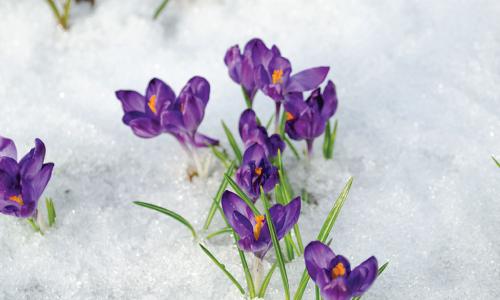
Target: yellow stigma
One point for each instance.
(289, 116)
(339, 270)
(152, 103)
(259, 223)
(258, 171)
(277, 76)
(18, 199)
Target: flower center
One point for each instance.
(17, 198)
(152, 103)
(259, 223)
(258, 171)
(277, 76)
(289, 116)
(339, 270)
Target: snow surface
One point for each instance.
(419, 116)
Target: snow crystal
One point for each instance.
(419, 118)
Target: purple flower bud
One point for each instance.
(333, 275)
(255, 171)
(251, 133)
(22, 183)
(252, 229)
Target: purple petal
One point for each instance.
(254, 153)
(275, 144)
(232, 59)
(200, 140)
(145, 127)
(362, 277)
(247, 123)
(193, 111)
(262, 77)
(330, 100)
(233, 203)
(242, 225)
(280, 63)
(165, 96)
(337, 289)
(285, 217)
(131, 101)
(199, 88)
(9, 170)
(32, 162)
(7, 148)
(317, 257)
(171, 121)
(40, 180)
(307, 80)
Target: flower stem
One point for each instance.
(309, 147)
(277, 118)
(257, 270)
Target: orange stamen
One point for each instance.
(152, 103)
(259, 223)
(17, 198)
(289, 116)
(258, 171)
(277, 76)
(339, 270)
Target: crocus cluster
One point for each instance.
(266, 69)
(252, 229)
(22, 183)
(160, 111)
(333, 275)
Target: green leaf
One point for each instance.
(232, 142)
(34, 225)
(219, 232)
(221, 156)
(51, 211)
(326, 140)
(276, 245)
(218, 196)
(380, 270)
(269, 122)
(242, 194)
(223, 269)
(169, 213)
(292, 147)
(160, 9)
(65, 16)
(496, 161)
(267, 279)
(331, 142)
(316, 289)
(324, 232)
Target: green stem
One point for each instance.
(160, 9)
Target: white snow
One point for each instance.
(419, 116)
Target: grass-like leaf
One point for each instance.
(269, 122)
(232, 142)
(35, 226)
(242, 194)
(219, 232)
(169, 213)
(496, 161)
(223, 269)
(292, 147)
(324, 232)
(160, 8)
(380, 271)
(267, 279)
(221, 155)
(316, 291)
(326, 140)
(276, 245)
(248, 101)
(218, 196)
(51, 211)
(331, 141)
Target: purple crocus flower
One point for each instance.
(143, 113)
(255, 171)
(252, 133)
(22, 183)
(306, 120)
(160, 111)
(276, 81)
(184, 115)
(332, 273)
(242, 66)
(252, 229)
